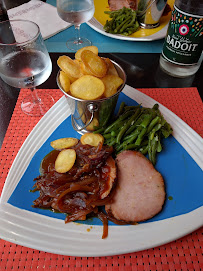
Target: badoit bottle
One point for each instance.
(182, 50)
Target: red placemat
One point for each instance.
(183, 254)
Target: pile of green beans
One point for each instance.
(137, 128)
(123, 21)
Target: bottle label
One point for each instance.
(184, 40)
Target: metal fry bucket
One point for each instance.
(84, 112)
(150, 12)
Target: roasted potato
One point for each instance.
(111, 69)
(65, 160)
(95, 64)
(64, 143)
(92, 48)
(92, 139)
(111, 83)
(64, 81)
(70, 67)
(87, 87)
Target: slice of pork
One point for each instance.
(118, 4)
(140, 191)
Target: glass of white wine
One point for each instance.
(25, 63)
(76, 12)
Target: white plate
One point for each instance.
(99, 20)
(49, 234)
(97, 26)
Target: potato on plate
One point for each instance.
(92, 139)
(87, 87)
(94, 63)
(64, 143)
(65, 160)
(92, 48)
(111, 83)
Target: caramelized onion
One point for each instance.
(79, 191)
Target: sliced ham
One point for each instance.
(119, 4)
(140, 191)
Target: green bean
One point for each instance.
(121, 109)
(146, 120)
(117, 122)
(140, 136)
(127, 125)
(123, 21)
(117, 30)
(166, 130)
(99, 130)
(107, 136)
(144, 149)
(137, 128)
(131, 107)
(155, 129)
(153, 123)
(131, 22)
(131, 138)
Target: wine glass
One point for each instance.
(76, 12)
(25, 63)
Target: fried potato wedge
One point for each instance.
(69, 66)
(65, 160)
(85, 70)
(93, 123)
(64, 143)
(94, 63)
(111, 69)
(87, 87)
(112, 83)
(92, 48)
(64, 81)
(92, 139)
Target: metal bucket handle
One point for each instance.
(91, 108)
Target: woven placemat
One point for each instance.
(183, 254)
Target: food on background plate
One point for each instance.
(122, 21)
(140, 192)
(119, 4)
(83, 76)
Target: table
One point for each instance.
(141, 63)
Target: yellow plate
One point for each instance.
(99, 20)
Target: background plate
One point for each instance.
(22, 225)
(99, 20)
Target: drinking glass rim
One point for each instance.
(28, 40)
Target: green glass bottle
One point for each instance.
(182, 50)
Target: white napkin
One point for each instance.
(41, 13)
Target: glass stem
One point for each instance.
(37, 100)
(77, 28)
(35, 97)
